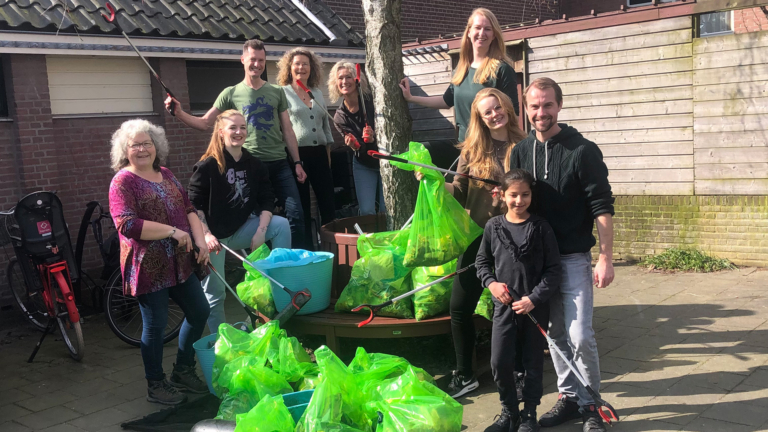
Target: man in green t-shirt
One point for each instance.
(264, 106)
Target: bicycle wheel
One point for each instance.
(28, 298)
(124, 316)
(71, 332)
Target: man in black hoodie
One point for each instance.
(571, 192)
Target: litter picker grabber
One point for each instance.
(111, 19)
(298, 298)
(601, 404)
(252, 313)
(376, 308)
(366, 137)
(379, 155)
(311, 96)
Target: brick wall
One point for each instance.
(749, 20)
(733, 227)
(428, 19)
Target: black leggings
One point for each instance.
(320, 176)
(467, 289)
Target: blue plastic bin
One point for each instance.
(297, 402)
(298, 269)
(206, 355)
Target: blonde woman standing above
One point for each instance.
(483, 63)
(312, 128)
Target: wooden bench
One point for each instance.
(335, 325)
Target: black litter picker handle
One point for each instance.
(606, 410)
(379, 155)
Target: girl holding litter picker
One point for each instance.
(519, 261)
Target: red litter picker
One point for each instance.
(379, 155)
(111, 19)
(601, 405)
(366, 136)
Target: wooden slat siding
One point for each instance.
(427, 68)
(612, 58)
(732, 107)
(610, 45)
(731, 42)
(619, 71)
(732, 187)
(651, 175)
(673, 79)
(629, 123)
(433, 78)
(628, 97)
(715, 60)
(433, 124)
(732, 171)
(90, 85)
(428, 113)
(612, 32)
(757, 122)
(735, 74)
(731, 139)
(730, 155)
(442, 134)
(642, 136)
(681, 188)
(626, 110)
(741, 90)
(429, 90)
(430, 78)
(647, 149)
(649, 162)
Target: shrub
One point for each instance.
(686, 260)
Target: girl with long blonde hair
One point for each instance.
(491, 135)
(483, 63)
(234, 199)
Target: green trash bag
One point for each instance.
(244, 382)
(484, 306)
(379, 275)
(436, 299)
(293, 361)
(337, 400)
(309, 382)
(411, 404)
(232, 343)
(256, 290)
(441, 229)
(269, 415)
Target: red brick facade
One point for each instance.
(750, 20)
(429, 19)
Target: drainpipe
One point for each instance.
(314, 19)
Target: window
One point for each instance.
(633, 3)
(98, 85)
(716, 23)
(206, 79)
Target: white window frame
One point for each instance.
(731, 31)
(648, 3)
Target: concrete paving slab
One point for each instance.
(48, 417)
(101, 419)
(743, 414)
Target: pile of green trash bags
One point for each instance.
(377, 392)
(248, 367)
(484, 306)
(256, 290)
(392, 263)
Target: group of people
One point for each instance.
(534, 256)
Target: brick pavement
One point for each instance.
(679, 352)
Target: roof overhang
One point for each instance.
(116, 46)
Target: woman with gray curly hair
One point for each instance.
(313, 130)
(156, 224)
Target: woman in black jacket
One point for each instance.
(233, 196)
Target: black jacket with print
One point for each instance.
(530, 268)
(228, 199)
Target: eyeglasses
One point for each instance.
(138, 146)
(494, 111)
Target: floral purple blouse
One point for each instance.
(149, 265)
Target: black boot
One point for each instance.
(592, 420)
(563, 411)
(507, 421)
(528, 421)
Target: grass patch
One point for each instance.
(686, 260)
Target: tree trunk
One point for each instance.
(384, 67)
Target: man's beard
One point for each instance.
(547, 127)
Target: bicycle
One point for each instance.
(120, 310)
(41, 272)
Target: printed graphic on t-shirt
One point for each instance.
(260, 114)
(239, 192)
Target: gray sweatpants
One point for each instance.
(570, 325)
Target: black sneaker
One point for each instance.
(163, 393)
(501, 422)
(528, 422)
(185, 379)
(519, 384)
(563, 411)
(460, 385)
(592, 420)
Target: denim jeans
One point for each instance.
(570, 325)
(278, 231)
(154, 314)
(284, 184)
(368, 188)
